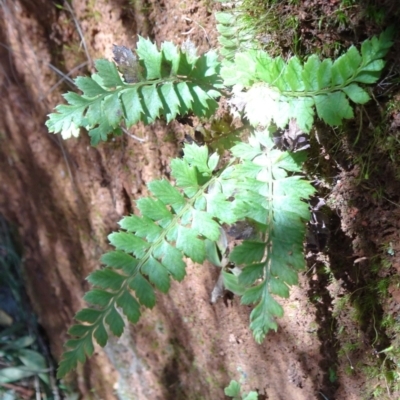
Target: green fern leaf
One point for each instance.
(129, 306)
(234, 34)
(128, 242)
(185, 176)
(190, 244)
(171, 258)
(100, 334)
(170, 101)
(263, 186)
(293, 75)
(345, 66)
(170, 227)
(69, 362)
(291, 90)
(356, 94)
(205, 225)
(309, 77)
(143, 290)
(98, 297)
(78, 330)
(375, 48)
(248, 252)
(151, 58)
(233, 390)
(333, 115)
(108, 74)
(115, 321)
(225, 18)
(154, 209)
(277, 259)
(88, 315)
(133, 109)
(302, 110)
(157, 273)
(253, 294)
(251, 273)
(198, 157)
(89, 87)
(143, 227)
(112, 109)
(152, 102)
(263, 317)
(120, 260)
(171, 82)
(232, 283)
(66, 120)
(240, 72)
(168, 194)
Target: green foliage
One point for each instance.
(24, 361)
(272, 90)
(258, 183)
(168, 82)
(233, 390)
(234, 35)
(150, 249)
(272, 196)
(24, 358)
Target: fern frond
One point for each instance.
(170, 82)
(279, 90)
(234, 35)
(273, 197)
(149, 250)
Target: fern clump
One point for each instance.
(256, 182)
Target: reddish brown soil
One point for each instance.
(65, 197)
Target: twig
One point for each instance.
(141, 140)
(188, 32)
(205, 33)
(60, 143)
(54, 387)
(64, 77)
(59, 72)
(359, 129)
(37, 388)
(351, 365)
(24, 392)
(78, 28)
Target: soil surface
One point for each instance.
(65, 197)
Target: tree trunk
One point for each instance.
(66, 197)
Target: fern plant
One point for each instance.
(258, 183)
